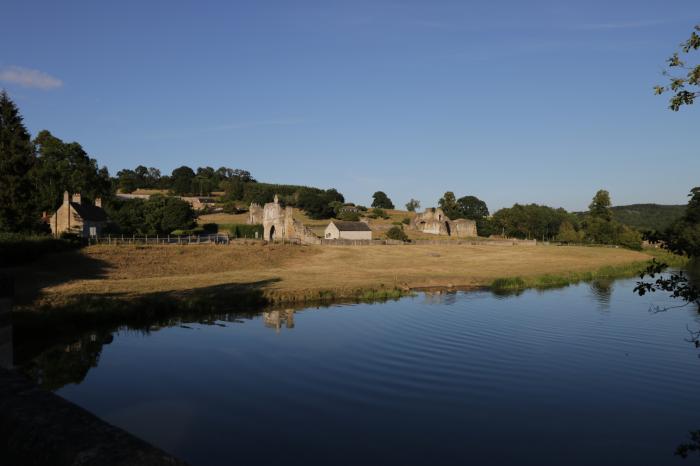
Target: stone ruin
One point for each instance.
(434, 221)
(255, 214)
(279, 223)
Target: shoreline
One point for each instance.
(84, 311)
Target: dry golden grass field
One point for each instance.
(289, 272)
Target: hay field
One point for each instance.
(294, 273)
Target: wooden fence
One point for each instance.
(157, 239)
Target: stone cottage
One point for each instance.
(435, 222)
(75, 217)
(348, 230)
(279, 224)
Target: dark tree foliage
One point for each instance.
(469, 207)
(531, 221)
(648, 217)
(181, 180)
(683, 237)
(18, 209)
(684, 86)
(63, 166)
(382, 201)
(397, 233)
(158, 215)
(448, 204)
(319, 205)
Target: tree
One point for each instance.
(382, 201)
(684, 87)
(397, 233)
(65, 166)
(569, 234)
(181, 180)
(472, 208)
(448, 204)
(683, 237)
(18, 212)
(127, 181)
(413, 205)
(600, 206)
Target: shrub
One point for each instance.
(397, 233)
(406, 221)
(377, 212)
(246, 231)
(349, 216)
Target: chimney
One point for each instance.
(66, 198)
(98, 202)
(76, 198)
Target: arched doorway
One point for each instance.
(272, 233)
(447, 227)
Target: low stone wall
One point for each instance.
(39, 428)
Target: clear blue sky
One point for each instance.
(511, 101)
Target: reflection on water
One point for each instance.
(442, 378)
(601, 291)
(275, 319)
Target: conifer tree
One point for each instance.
(17, 210)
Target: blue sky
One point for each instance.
(511, 101)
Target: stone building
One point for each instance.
(255, 214)
(435, 222)
(348, 230)
(279, 224)
(75, 217)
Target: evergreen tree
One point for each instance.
(382, 201)
(17, 210)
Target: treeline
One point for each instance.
(533, 221)
(648, 217)
(182, 181)
(683, 235)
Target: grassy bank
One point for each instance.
(131, 282)
(513, 283)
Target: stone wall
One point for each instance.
(279, 224)
(434, 221)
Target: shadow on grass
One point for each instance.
(32, 278)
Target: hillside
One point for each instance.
(648, 216)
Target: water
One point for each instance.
(581, 375)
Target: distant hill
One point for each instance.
(648, 216)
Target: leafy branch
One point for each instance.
(683, 87)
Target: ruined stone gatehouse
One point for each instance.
(74, 216)
(279, 223)
(434, 221)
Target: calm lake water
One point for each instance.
(581, 375)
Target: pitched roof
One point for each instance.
(351, 226)
(90, 212)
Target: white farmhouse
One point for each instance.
(348, 230)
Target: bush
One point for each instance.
(406, 221)
(377, 212)
(245, 231)
(349, 216)
(210, 228)
(397, 233)
(16, 249)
